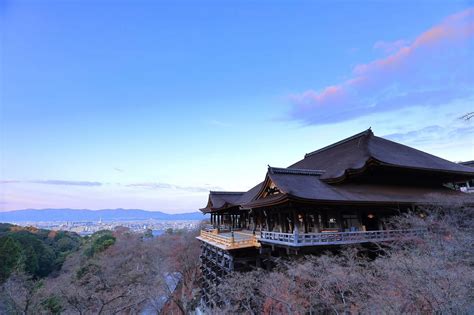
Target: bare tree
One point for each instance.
(181, 260)
(113, 281)
(21, 294)
(432, 273)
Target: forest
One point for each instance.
(119, 272)
(110, 272)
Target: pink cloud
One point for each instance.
(459, 26)
(310, 99)
(409, 64)
(390, 47)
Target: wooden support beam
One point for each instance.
(267, 222)
(305, 221)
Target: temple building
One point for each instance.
(467, 186)
(337, 195)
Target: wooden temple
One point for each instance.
(340, 194)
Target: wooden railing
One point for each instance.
(208, 227)
(337, 238)
(228, 241)
(222, 227)
(235, 240)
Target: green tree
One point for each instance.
(148, 233)
(52, 305)
(100, 242)
(39, 258)
(10, 256)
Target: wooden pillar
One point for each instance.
(295, 223)
(317, 224)
(254, 219)
(339, 220)
(305, 219)
(267, 222)
(360, 218)
(280, 222)
(259, 220)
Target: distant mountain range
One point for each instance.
(37, 215)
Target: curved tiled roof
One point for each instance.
(312, 188)
(356, 152)
(313, 177)
(222, 199)
(250, 194)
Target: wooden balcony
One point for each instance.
(229, 240)
(336, 238)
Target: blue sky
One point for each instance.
(149, 104)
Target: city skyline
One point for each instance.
(151, 105)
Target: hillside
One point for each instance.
(35, 251)
(35, 215)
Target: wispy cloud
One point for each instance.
(434, 134)
(53, 182)
(118, 170)
(144, 185)
(390, 47)
(433, 69)
(158, 185)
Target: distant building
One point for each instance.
(334, 196)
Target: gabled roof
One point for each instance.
(360, 150)
(222, 199)
(309, 187)
(250, 194)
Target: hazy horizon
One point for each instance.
(101, 209)
(149, 105)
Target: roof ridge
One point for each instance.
(227, 192)
(294, 171)
(360, 134)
